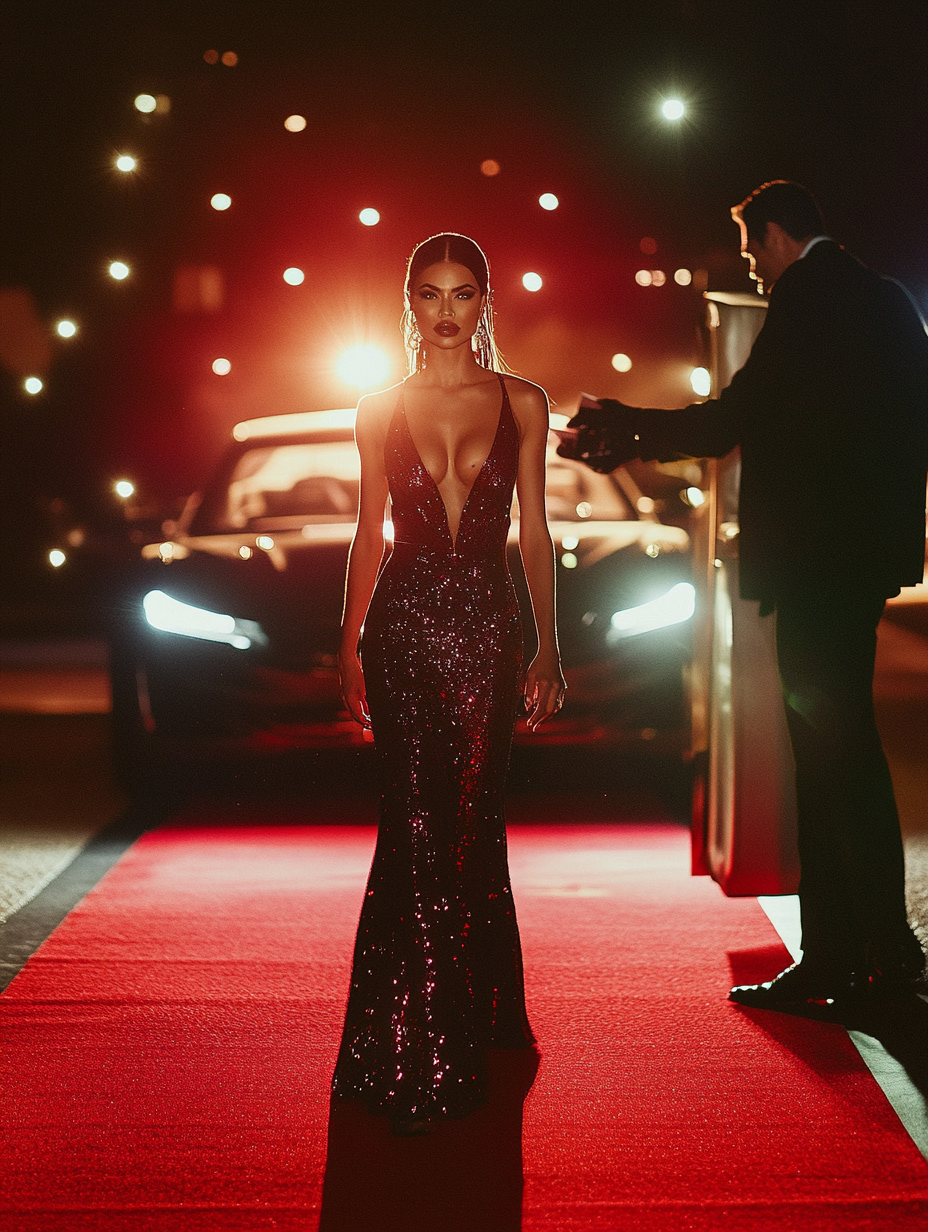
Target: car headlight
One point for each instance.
(672, 608)
(171, 616)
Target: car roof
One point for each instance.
(302, 423)
(296, 424)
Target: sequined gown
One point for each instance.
(437, 976)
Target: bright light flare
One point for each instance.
(548, 201)
(146, 103)
(683, 277)
(66, 329)
(56, 558)
(33, 385)
(295, 123)
(695, 497)
(124, 488)
(220, 201)
(369, 216)
(363, 366)
(621, 362)
(293, 276)
(222, 367)
(701, 382)
(125, 162)
(171, 616)
(643, 278)
(672, 109)
(118, 270)
(532, 282)
(673, 608)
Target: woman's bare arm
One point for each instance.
(366, 551)
(544, 683)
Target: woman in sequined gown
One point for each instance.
(437, 975)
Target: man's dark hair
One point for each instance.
(784, 202)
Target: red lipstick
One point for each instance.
(447, 329)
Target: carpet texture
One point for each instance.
(168, 1053)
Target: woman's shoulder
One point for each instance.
(528, 400)
(376, 406)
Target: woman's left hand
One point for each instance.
(544, 689)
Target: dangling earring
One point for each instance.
(415, 338)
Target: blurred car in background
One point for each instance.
(228, 626)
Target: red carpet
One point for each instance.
(168, 1052)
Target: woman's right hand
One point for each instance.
(354, 695)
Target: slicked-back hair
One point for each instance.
(788, 204)
(459, 249)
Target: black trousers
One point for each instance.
(852, 881)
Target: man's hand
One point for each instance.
(601, 434)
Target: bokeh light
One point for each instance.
(229, 59)
(293, 276)
(658, 278)
(532, 282)
(33, 385)
(295, 123)
(363, 366)
(124, 488)
(146, 103)
(569, 561)
(125, 162)
(370, 217)
(56, 558)
(118, 270)
(490, 167)
(643, 278)
(621, 362)
(584, 509)
(221, 367)
(265, 542)
(682, 277)
(66, 329)
(694, 496)
(211, 56)
(701, 382)
(220, 201)
(548, 201)
(245, 552)
(672, 109)
(648, 245)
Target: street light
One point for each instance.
(124, 488)
(370, 217)
(125, 162)
(672, 109)
(119, 270)
(33, 385)
(66, 329)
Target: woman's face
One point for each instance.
(446, 303)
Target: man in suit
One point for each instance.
(831, 414)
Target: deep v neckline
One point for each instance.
(499, 424)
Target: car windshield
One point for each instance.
(288, 486)
(284, 487)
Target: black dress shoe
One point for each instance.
(803, 987)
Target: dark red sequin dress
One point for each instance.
(437, 976)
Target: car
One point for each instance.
(227, 627)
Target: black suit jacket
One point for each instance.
(831, 413)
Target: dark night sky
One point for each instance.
(403, 104)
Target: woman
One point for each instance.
(437, 977)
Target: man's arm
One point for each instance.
(610, 433)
